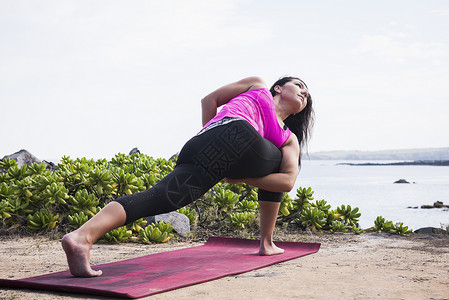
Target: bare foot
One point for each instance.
(270, 249)
(77, 251)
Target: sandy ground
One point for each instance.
(348, 266)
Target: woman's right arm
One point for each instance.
(223, 95)
(285, 179)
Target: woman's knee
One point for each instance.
(264, 195)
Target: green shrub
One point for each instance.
(33, 198)
(42, 220)
(240, 220)
(382, 225)
(118, 235)
(313, 217)
(77, 219)
(157, 232)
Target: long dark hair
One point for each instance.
(300, 124)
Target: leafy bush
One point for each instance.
(347, 214)
(36, 200)
(157, 232)
(382, 225)
(317, 215)
(240, 220)
(78, 219)
(337, 226)
(42, 220)
(312, 217)
(118, 235)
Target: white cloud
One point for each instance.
(440, 12)
(401, 52)
(402, 43)
(108, 35)
(96, 43)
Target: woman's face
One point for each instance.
(296, 93)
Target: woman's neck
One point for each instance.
(281, 112)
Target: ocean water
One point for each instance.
(371, 189)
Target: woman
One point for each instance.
(250, 140)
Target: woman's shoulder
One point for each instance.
(291, 140)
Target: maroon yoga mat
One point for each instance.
(155, 273)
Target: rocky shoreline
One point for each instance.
(437, 204)
(403, 163)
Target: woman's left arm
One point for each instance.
(285, 179)
(223, 95)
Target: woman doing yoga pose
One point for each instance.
(250, 140)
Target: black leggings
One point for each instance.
(234, 150)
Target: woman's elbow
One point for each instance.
(288, 185)
(205, 102)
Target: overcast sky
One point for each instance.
(94, 78)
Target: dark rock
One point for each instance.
(50, 166)
(134, 151)
(438, 204)
(412, 207)
(401, 181)
(427, 206)
(431, 230)
(23, 157)
(180, 222)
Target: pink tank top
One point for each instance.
(256, 107)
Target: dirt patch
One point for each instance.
(367, 266)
